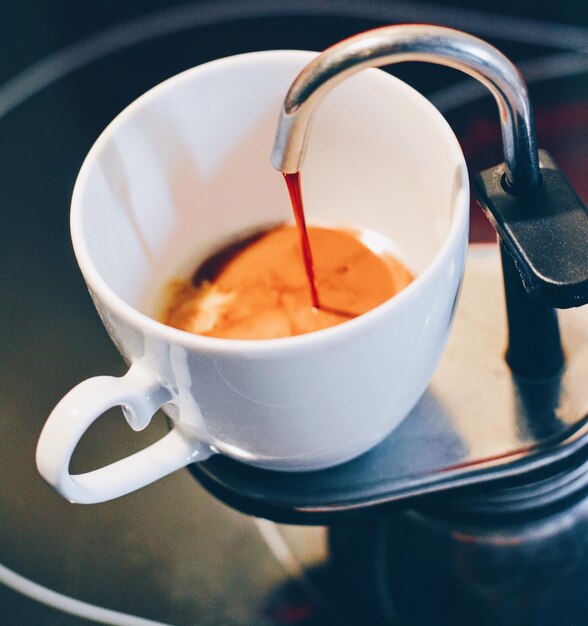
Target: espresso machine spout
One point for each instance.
(395, 44)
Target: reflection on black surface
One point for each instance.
(538, 402)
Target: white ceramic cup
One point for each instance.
(185, 168)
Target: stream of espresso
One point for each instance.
(295, 192)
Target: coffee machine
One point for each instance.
(474, 510)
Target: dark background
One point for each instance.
(171, 552)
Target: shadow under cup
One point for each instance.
(186, 168)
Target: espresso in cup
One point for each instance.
(287, 281)
(258, 287)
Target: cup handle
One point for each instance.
(139, 394)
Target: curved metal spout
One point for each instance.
(434, 44)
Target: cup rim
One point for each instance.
(296, 343)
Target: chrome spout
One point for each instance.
(394, 44)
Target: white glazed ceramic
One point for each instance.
(185, 168)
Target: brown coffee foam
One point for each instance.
(261, 291)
